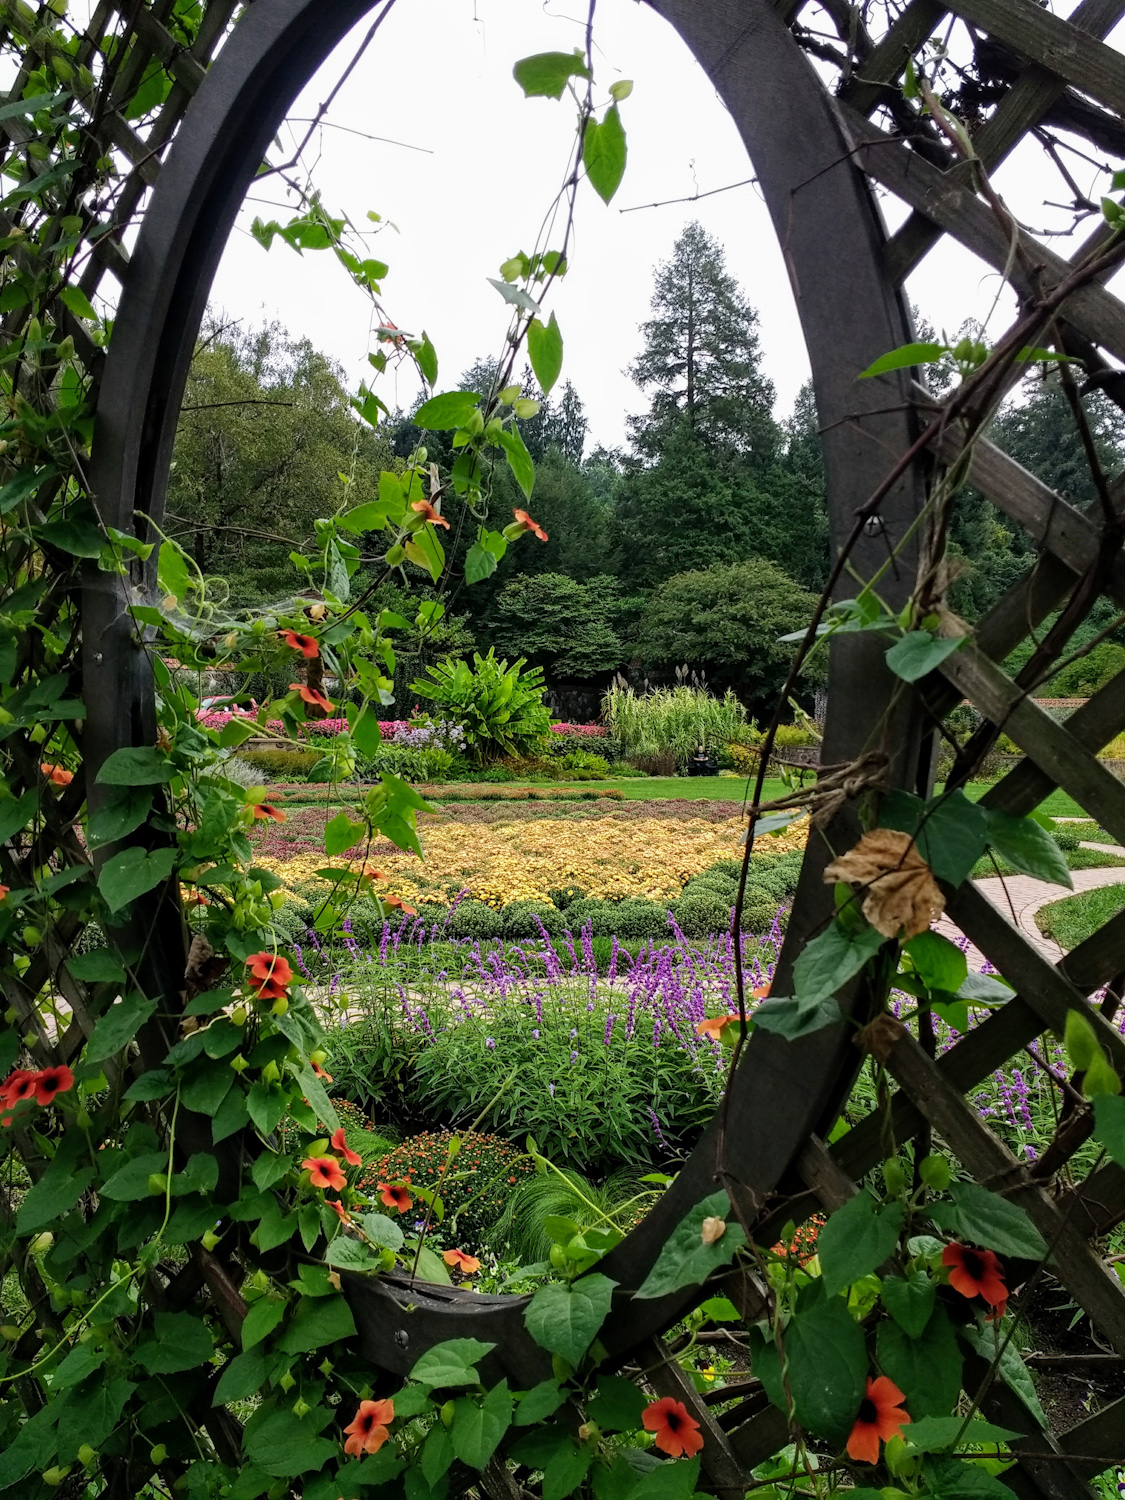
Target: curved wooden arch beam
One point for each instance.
(832, 238)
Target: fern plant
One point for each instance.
(500, 707)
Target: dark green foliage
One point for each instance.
(704, 915)
(630, 920)
(473, 919)
(519, 920)
(567, 1195)
(264, 433)
(726, 620)
(500, 707)
(477, 1185)
(567, 628)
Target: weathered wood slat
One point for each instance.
(948, 200)
(913, 26)
(668, 1378)
(1021, 108)
(1092, 1284)
(1099, 1437)
(1040, 1473)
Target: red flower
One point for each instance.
(305, 644)
(265, 810)
(399, 902)
(339, 1144)
(762, 992)
(194, 898)
(369, 872)
(321, 1072)
(976, 1273)
(677, 1431)
(57, 775)
(368, 1431)
(528, 524)
(18, 1086)
(880, 1416)
(4, 889)
(466, 1263)
(311, 695)
(388, 334)
(270, 974)
(339, 1210)
(324, 1172)
(52, 1081)
(424, 508)
(714, 1026)
(395, 1195)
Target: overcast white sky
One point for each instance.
(476, 171)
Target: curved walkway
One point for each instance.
(1019, 897)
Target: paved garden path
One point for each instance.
(1019, 897)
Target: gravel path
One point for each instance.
(1019, 897)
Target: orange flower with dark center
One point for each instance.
(880, 1416)
(395, 1195)
(368, 1431)
(270, 974)
(339, 1210)
(339, 1143)
(305, 644)
(57, 775)
(424, 508)
(465, 1263)
(324, 1172)
(976, 1273)
(528, 524)
(4, 889)
(265, 810)
(400, 903)
(714, 1026)
(52, 1081)
(18, 1086)
(321, 1072)
(677, 1431)
(311, 695)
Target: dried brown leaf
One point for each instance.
(902, 896)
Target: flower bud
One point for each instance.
(894, 1175)
(320, 1057)
(510, 393)
(271, 1072)
(239, 1063)
(209, 1240)
(934, 1172)
(712, 1230)
(55, 1476)
(448, 1412)
(280, 1006)
(301, 1407)
(238, 1015)
(395, 555)
(475, 423)
(158, 1454)
(83, 1119)
(326, 1367)
(287, 1382)
(42, 1243)
(158, 1183)
(11, 1015)
(589, 1432)
(86, 1455)
(560, 1369)
(525, 408)
(9, 1331)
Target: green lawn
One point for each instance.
(1075, 918)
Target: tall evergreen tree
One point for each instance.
(701, 358)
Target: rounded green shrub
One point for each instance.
(758, 911)
(1065, 838)
(602, 914)
(702, 916)
(565, 895)
(638, 919)
(281, 765)
(473, 919)
(708, 884)
(519, 920)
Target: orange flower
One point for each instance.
(339, 1144)
(311, 695)
(194, 898)
(762, 992)
(677, 1431)
(305, 644)
(466, 1263)
(880, 1416)
(424, 508)
(270, 974)
(369, 872)
(527, 524)
(265, 810)
(52, 1081)
(18, 1086)
(324, 1172)
(321, 1072)
(714, 1026)
(399, 902)
(339, 1210)
(368, 1431)
(395, 1195)
(4, 889)
(977, 1273)
(57, 775)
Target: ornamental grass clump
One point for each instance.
(674, 721)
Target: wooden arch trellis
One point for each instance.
(816, 147)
